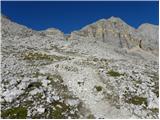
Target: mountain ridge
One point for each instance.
(2, 15)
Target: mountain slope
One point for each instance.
(104, 70)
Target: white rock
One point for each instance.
(41, 110)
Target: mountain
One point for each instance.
(107, 69)
(117, 33)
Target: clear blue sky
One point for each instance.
(69, 16)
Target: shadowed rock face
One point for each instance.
(105, 70)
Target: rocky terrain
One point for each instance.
(107, 69)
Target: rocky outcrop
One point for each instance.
(117, 33)
(52, 32)
(150, 35)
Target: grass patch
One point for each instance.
(155, 110)
(41, 56)
(15, 113)
(114, 73)
(57, 113)
(90, 116)
(136, 100)
(35, 85)
(98, 88)
(58, 110)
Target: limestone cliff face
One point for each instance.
(117, 33)
(150, 34)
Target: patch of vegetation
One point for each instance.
(90, 116)
(58, 110)
(54, 78)
(35, 85)
(136, 100)
(95, 59)
(15, 113)
(41, 56)
(98, 88)
(155, 78)
(137, 82)
(155, 110)
(80, 83)
(156, 90)
(114, 73)
(39, 95)
(5, 82)
(57, 113)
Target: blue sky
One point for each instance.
(69, 16)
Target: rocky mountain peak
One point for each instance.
(114, 31)
(115, 19)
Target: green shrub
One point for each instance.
(35, 85)
(98, 88)
(114, 73)
(136, 100)
(15, 113)
(41, 56)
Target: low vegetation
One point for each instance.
(58, 109)
(155, 110)
(12, 113)
(41, 56)
(136, 100)
(35, 85)
(114, 73)
(98, 88)
(54, 78)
